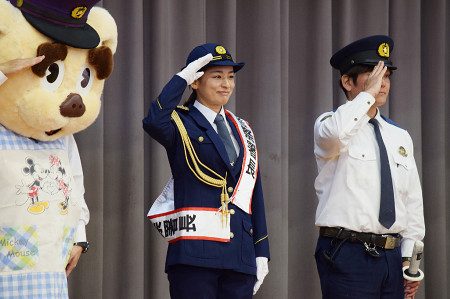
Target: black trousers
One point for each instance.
(355, 274)
(190, 282)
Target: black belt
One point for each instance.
(382, 241)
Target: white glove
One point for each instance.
(190, 73)
(262, 268)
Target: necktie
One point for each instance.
(226, 138)
(387, 203)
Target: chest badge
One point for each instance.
(402, 151)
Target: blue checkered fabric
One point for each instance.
(42, 285)
(69, 233)
(12, 141)
(8, 259)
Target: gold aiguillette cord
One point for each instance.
(219, 182)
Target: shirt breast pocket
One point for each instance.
(362, 166)
(401, 172)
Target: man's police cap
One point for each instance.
(61, 20)
(367, 51)
(221, 56)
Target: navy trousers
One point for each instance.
(190, 282)
(355, 274)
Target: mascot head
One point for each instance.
(60, 95)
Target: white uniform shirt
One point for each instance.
(348, 182)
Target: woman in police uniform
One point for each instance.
(220, 249)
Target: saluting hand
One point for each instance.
(191, 72)
(16, 65)
(375, 79)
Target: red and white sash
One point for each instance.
(207, 223)
(242, 196)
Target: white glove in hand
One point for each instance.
(190, 73)
(262, 268)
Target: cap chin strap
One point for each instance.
(222, 57)
(365, 57)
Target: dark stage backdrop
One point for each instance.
(286, 83)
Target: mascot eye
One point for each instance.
(85, 81)
(53, 76)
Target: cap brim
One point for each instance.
(78, 37)
(236, 66)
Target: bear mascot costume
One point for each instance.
(70, 44)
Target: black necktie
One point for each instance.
(387, 203)
(226, 138)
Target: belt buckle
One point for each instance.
(390, 242)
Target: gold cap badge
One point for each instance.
(78, 12)
(383, 50)
(402, 151)
(221, 50)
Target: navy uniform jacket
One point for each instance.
(250, 232)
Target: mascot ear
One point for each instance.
(100, 19)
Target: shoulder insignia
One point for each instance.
(325, 117)
(183, 108)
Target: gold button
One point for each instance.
(352, 61)
(231, 235)
(230, 189)
(201, 139)
(232, 211)
(251, 231)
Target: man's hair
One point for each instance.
(353, 74)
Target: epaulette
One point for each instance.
(183, 108)
(326, 116)
(390, 121)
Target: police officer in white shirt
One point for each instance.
(370, 209)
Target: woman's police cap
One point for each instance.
(221, 56)
(368, 51)
(61, 20)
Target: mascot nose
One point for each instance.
(73, 106)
